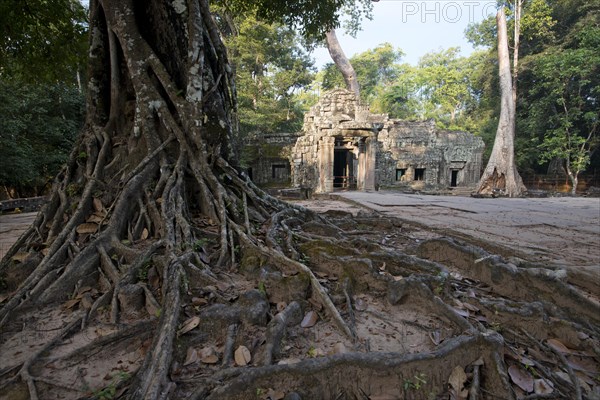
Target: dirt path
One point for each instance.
(561, 230)
(11, 227)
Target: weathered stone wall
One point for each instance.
(267, 158)
(413, 145)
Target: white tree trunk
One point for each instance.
(501, 175)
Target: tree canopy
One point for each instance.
(42, 41)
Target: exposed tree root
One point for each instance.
(353, 375)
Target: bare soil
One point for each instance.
(430, 317)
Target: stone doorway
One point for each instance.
(343, 169)
(454, 178)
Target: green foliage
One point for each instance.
(311, 18)
(376, 69)
(143, 271)
(417, 383)
(42, 41)
(482, 34)
(108, 392)
(444, 86)
(262, 288)
(199, 244)
(561, 90)
(271, 68)
(38, 127)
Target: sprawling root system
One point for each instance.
(157, 271)
(309, 306)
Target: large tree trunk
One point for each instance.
(500, 175)
(341, 61)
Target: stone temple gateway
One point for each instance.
(339, 146)
(344, 146)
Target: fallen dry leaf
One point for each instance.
(94, 218)
(212, 359)
(479, 362)
(360, 305)
(582, 336)
(457, 379)
(144, 234)
(542, 386)
(199, 301)
(526, 361)
(87, 228)
(274, 395)
(20, 257)
(98, 207)
(339, 348)
(521, 378)
(461, 312)
(242, 356)
(191, 356)
(310, 319)
(281, 306)
(558, 346)
(470, 307)
(289, 361)
(208, 355)
(188, 325)
(71, 303)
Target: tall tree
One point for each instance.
(375, 70)
(42, 58)
(354, 11)
(501, 171)
(271, 67)
(38, 128)
(341, 61)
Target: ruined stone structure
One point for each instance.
(339, 145)
(267, 158)
(418, 154)
(344, 146)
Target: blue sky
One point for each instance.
(416, 27)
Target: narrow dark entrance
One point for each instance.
(454, 178)
(342, 169)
